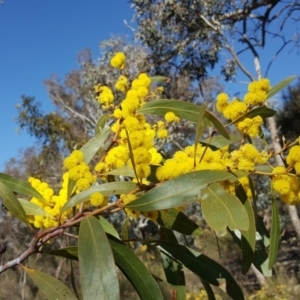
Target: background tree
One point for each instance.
(192, 36)
(288, 118)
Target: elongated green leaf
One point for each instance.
(280, 86)
(135, 271)
(262, 230)
(263, 168)
(174, 275)
(73, 281)
(71, 186)
(125, 231)
(200, 126)
(208, 289)
(124, 171)
(178, 221)
(181, 190)
(160, 79)
(101, 123)
(220, 127)
(131, 155)
(32, 208)
(94, 145)
(221, 209)
(50, 286)
(20, 186)
(204, 267)
(97, 269)
(68, 252)
(261, 259)
(11, 202)
(218, 141)
(181, 109)
(275, 234)
(108, 227)
(262, 111)
(248, 239)
(107, 189)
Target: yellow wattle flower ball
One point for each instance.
(97, 199)
(171, 117)
(222, 102)
(118, 61)
(162, 133)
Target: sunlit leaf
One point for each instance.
(50, 286)
(101, 123)
(219, 126)
(178, 221)
(200, 126)
(11, 202)
(33, 209)
(95, 144)
(135, 271)
(131, 155)
(160, 79)
(71, 188)
(280, 86)
(181, 109)
(221, 209)
(97, 269)
(275, 234)
(218, 141)
(107, 189)
(20, 186)
(123, 171)
(181, 190)
(108, 227)
(262, 111)
(204, 267)
(263, 168)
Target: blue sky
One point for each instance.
(41, 38)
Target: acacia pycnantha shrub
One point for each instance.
(131, 175)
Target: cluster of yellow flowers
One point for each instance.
(79, 171)
(130, 125)
(257, 95)
(105, 97)
(134, 146)
(286, 184)
(52, 204)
